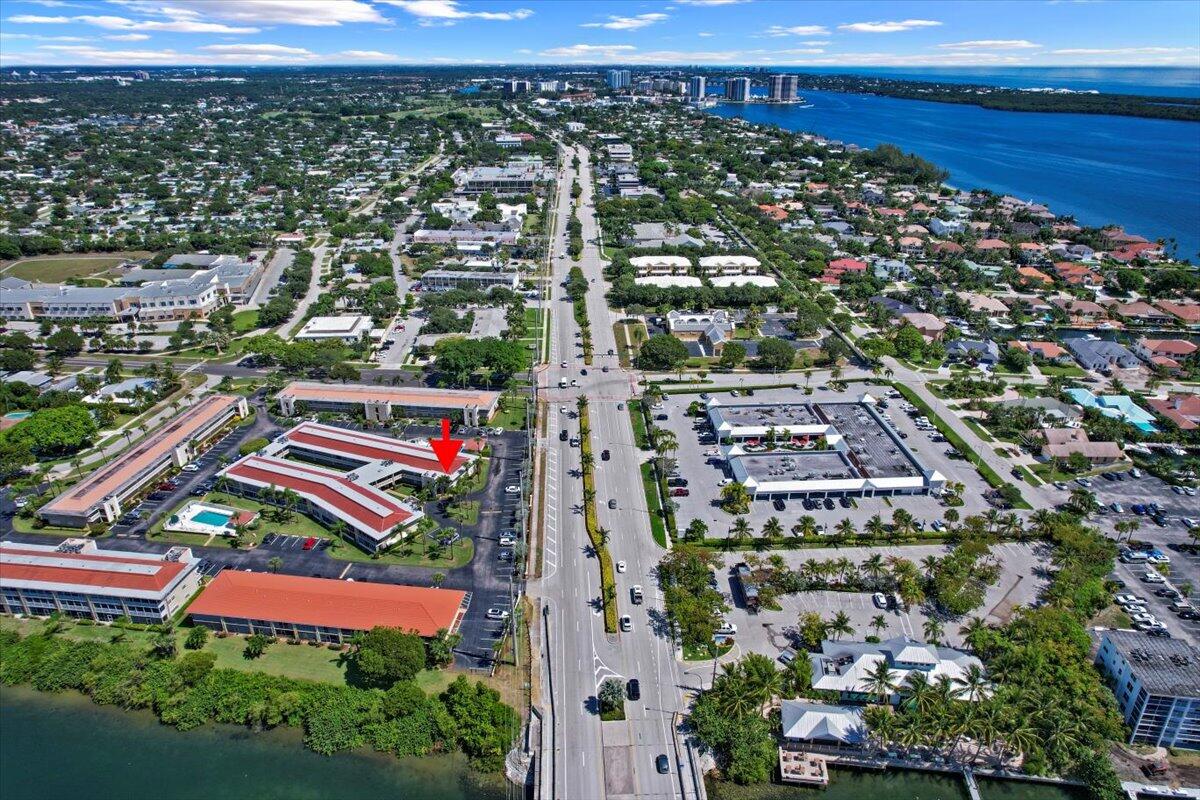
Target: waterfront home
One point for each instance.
(984, 304)
(808, 721)
(1139, 311)
(1100, 355)
(1165, 353)
(1182, 409)
(1047, 351)
(1116, 406)
(1082, 312)
(842, 667)
(1187, 313)
(982, 351)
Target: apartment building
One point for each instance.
(78, 579)
(1157, 686)
(380, 403)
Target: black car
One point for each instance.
(562, 435)
(1188, 613)
(662, 764)
(845, 502)
(829, 504)
(1162, 633)
(634, 688)
(605, 455)
(779, 504)
(677, 482)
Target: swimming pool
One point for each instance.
(215, 518)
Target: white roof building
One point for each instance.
(661, 265)
(726, 281)
(347, 329)
(729, 265)
(844, 667)
(821, 722)
(669, 281)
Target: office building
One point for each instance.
(784, 88)
(78, 579)
(618, 79)
(1157, 685)
(323, 609)
(443, 280)
(696, 87)
(737, 90)
(102, 493)
(513, 88)
(380, 403)
(348, 330)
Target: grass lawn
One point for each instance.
(693, 653)
(1064, 371)
(1048, 474)
(980, 431)
(1111, 617)
(59, 268)
(653, 502)
(408, 553)
(640, 436)
(465, 512)
(245, 321)
(22, 525)
(613, 714)
(512, 415)
(477, 481)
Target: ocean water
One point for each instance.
(1143, 174)
(1162, 81)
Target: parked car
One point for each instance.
(612, 502)
(626, 623)
(507, 541)
(879, 599)
(727, 629)
(512, 489)
(680, 492)
(779, 505)
(309, 543)
(497, 614)
(1153, 577)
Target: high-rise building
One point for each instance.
(512, 88)
(619, 78)
(737, 89)
(696, 87)
(784, 88)
(1157, 684)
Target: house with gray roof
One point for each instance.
(1098, 355)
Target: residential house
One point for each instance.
(981, 351)
(661, 265)
(1166, 353)
(1187, 313)
(1101, 355)
(1140, 311)
(1116, 406)
(929, 325)
(1046, 351)
(984, 304)
(1062, 443)
(1082, 312)
(1033, 275)
(1182, 409)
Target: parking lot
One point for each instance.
(704, 478)
(1133, 576)
(1023, 576)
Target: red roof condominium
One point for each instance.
(378, 402)
(79, 579)
(377, 460)
(101, 493)
(375, 518)
(322, 608)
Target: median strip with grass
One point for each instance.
(654, 503)
(960, 444)
(608, 581)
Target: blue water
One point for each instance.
(1162, 81)
(1143, 174)
(214, 518)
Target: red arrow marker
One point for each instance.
(445, 447)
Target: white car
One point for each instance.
(1143, 617)
(507, 541)
(727, 629)
(1135, 608)
(563, 365)
(724, 481)
(620, 566)
(1159, 559)
(562, 409)
(190, 468)
(497, 614)
(879, 600)
(1126, 599)
(626, 623)
(1153, 577)
(514, 489)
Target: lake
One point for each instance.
(63, 745)
(1143, 174)
(59, 746)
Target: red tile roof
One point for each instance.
(86, 569)
(368, 446)
(376, 510)
(329, 603)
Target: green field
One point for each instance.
(245, 321)
(58, 269)
(511, 415)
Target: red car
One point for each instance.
(680, 492)
(310, 543)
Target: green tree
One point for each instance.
(256, 645)
(196, 638)
(386, 655)
(662, 352)
(774, 355)
(732, 355)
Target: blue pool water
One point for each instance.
(214, 518)
(17, 414)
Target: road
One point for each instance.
(283, 259)
(314, 290)
(590, 759)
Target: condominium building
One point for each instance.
(378, 404)
(1157, 685)
(517, 178)
(323, 609)
(784, 88)
(78, 579)
(696, 87)
(619, 79)
(374, 519)
(737, 90)
(102, 493)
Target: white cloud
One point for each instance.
(589, 51)
(128, 37)
(448, 12)
(705, 34)
(991, 44)
(1121, 51)
(251, 49)
(308, 13)
(39, 38)
(797, 30)
(888, 27)
(616, 23)
(184, 23)
(366, 55)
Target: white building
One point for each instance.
(1157, 685)
(730, 265)
(349, 330)
(844, 667)
(661, 265)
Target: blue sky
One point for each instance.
(750, 32)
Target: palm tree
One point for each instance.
(840, 625)
(603, 536)
(875, 527)
(878, 623)
(933, 630)
(918, 692)
(275, 563)
(845, 528)
(873, 569)
(879, 681)
(758, 672)
(740, 530)
(902, 522)
(972, 683)
(772, 529)
(735, 699)
(807, 526)
(972, 632)
(881, 722)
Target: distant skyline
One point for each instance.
(674, 32)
